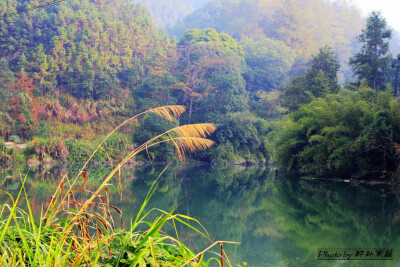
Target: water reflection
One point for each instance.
(279, 220)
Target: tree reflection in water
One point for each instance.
(280, 220)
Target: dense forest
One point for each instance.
(291, 82)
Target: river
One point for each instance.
(279, 220)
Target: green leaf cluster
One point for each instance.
(352, 134)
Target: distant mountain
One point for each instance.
(303, 25)
(166, 13)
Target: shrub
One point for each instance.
(2, 145)
(15, 139)
(150, 127)
(80, 150)
(239, 140)
(49, 147)
(4, 156)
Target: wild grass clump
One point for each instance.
(4, 156)
(52, 148)
(8, 156)
(78, 227)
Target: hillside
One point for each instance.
(75, 62)
(72, 71)
(304, 25)
(167, 13)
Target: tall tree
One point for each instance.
(374, 59)
(327, 61)
(321, 79)
(268, 63)
(210, 65)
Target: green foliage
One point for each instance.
(350, 134)
(210, 70)
(266, 105)
(80, 150)
(48, 148)
(15, 139)
(18, 155)
(373, 60)
(8, 156)
(154, 91)
(268, 63)
(239, 139)
(2, 145)
(327, 61)
(6, 124)
(304, 26)
(82, 51)
(150, 127)
(4, 156)
(211, 35)
(320, 80)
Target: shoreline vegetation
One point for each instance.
(56, 151)
(280, 93)
(78, 226)
(307, 86)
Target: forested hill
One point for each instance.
(71, 72)
(166, 13)
(82, 41)
(303, 25)
(75, 62)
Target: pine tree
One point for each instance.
(374, 58)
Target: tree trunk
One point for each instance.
(190, 109)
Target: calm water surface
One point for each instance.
(279, 220)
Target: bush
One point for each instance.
(49, 147)
(152, 126)
(117, 146)
(4, 156)
(2, 145)
(80, 150)
(239, 140)
(15, 139)
(350, 134)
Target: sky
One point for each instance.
(390, 10)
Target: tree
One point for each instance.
(89, 52)
(374, 59)
(320, 80)
(349, 134)
(210, 67)
(268, 63)
(327, 62)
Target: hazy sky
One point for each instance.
(390, 10)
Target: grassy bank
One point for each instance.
(78, 227)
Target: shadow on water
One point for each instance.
(279, 220)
